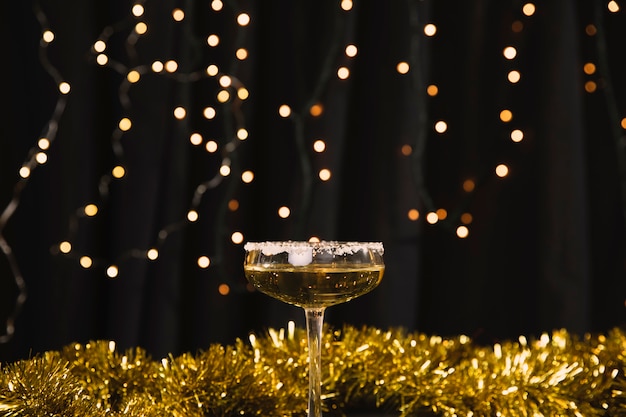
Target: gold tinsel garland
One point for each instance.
(394, 372)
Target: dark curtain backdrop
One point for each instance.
(546, 243)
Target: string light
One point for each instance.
(430, 30)
(125, 124)
(441, 126)
(228, 97)
(402, 67)
(319, 146)
(284, 212)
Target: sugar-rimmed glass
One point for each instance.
(314, 275)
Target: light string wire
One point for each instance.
(418, 76)
(419, 51)
(299, 119)
(611, 100)
(48, 136)
(233, 121)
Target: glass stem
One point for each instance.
(314, 325)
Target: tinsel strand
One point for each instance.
(366, 369)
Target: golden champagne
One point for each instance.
(314, 285)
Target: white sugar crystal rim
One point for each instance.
(340, 248)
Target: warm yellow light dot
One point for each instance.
(591, 86)
(343, 73)
(217, 5)
(209, 113)
(99, 46)
(462, 232)
(432, 90)
(528, 9)
(125, 124)
(442, 213)
(469, 185)
(43, 143)
(242, 93)
(112, 271)
(346, 5)
(178, 15)
(466, 218)
(24, 172)
(441, 126)
(613, 6)
(47, 36)
(509, 52)
(195, 139)
(233, 205)
(204, 262)
(316, 110)
(406, 150)
(242, 133)
(41, 157)
(212, 70)
(502, 170)
(247, 176)
(223, 289)
(241, 54)
(284, 110)
(236, 238)
(432, 217)
(319, 146)
(157, 66)
(225, 81)
(137, 10)
(91, 210)
(284, 212)
(225, 170)
(133, 76)
(118, 171)
(591, 30)
(85, 262)
(402, 67)
(314, 239)
(430, 29)
(141, 28)
(325, 174)
(64, 87)
(102, 59)
(514, 76)
(180, 113)
(152, 254)
(351, 50)
(506, 115)
(211, 146)
(65, 247)
(223, 96)
(623, 123)
(589, 68)
(171, 66)
(517, 135)
(243, 19)
(413, 214)
(193, 216)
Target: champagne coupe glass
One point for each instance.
(314, 275)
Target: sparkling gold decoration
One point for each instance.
(392, 372)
